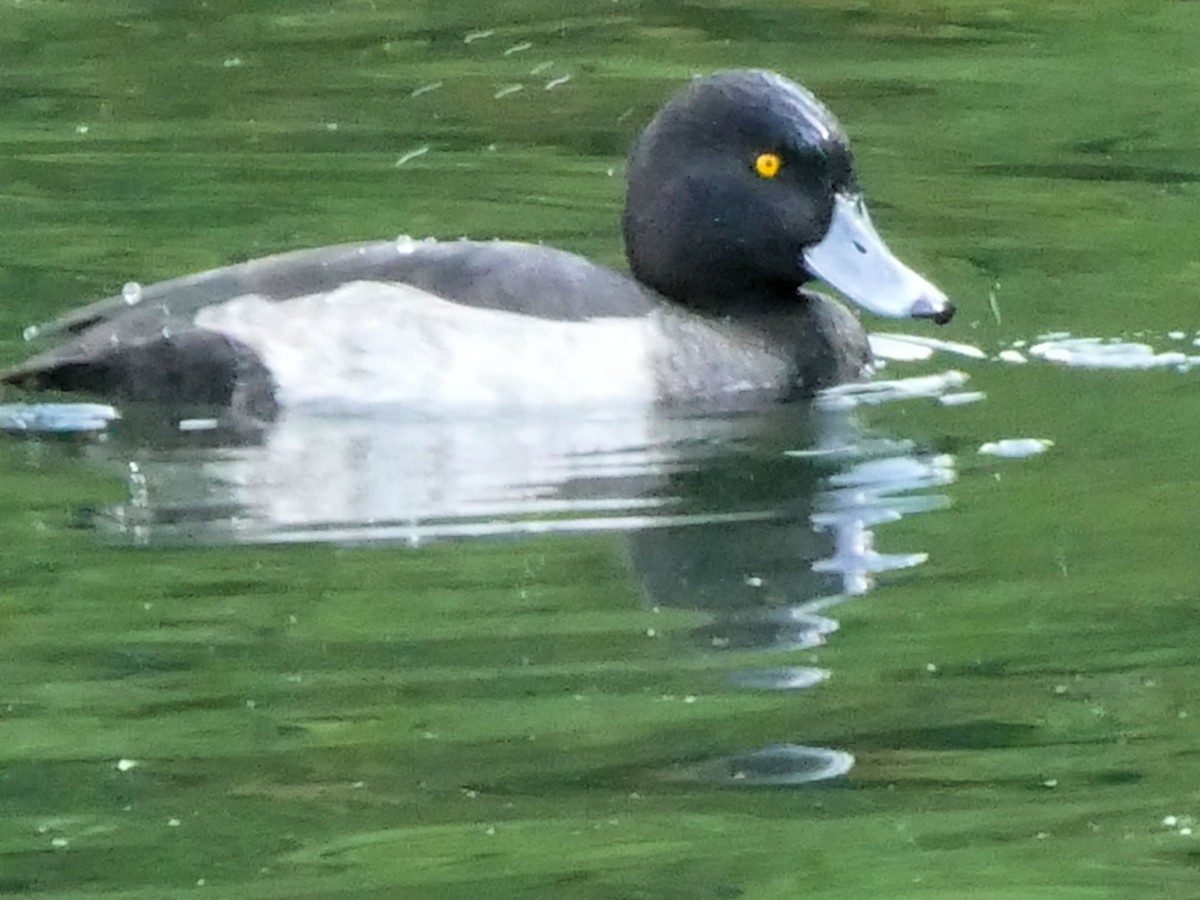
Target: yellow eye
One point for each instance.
(768, 164)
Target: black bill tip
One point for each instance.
(941, 312)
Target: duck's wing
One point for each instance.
(523, 278)
(155, 325)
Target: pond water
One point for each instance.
(934, 637)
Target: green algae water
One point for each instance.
(840, 653)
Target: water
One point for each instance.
(845, 653)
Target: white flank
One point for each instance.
(373, 344)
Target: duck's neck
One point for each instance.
(749, 304)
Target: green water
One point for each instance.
(519, 718)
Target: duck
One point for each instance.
(740, 192)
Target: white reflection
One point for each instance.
(366, 478)
(753, 521)
(56, 418)
(1016, 448)
(1101, 353)
(868, 494)
(779, 765)
(873, 393)
(784, 678)
(915, 347)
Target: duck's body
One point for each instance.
(719, 243)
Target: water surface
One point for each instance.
(839, 654)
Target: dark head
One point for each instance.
(742, 188)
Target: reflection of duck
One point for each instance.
(767, 581)
(740, 190)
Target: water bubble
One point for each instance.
(131, 293)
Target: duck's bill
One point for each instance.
(853, 258)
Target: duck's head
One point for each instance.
(742, 188)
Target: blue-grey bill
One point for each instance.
(853, 258)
